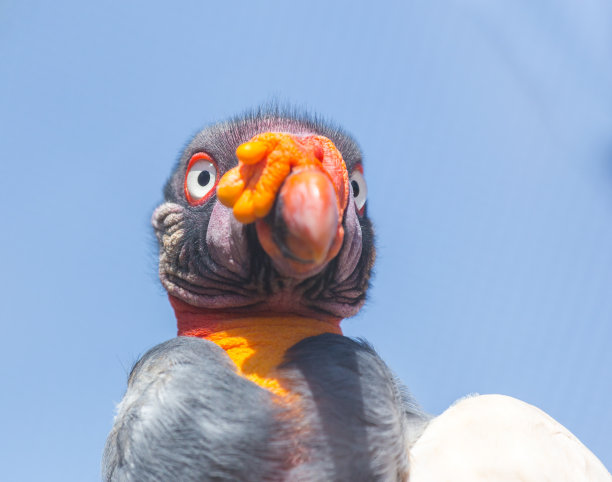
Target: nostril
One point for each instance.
(318, 152)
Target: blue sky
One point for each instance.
(487, 133)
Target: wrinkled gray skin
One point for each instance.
(188, 416)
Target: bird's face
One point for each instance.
(306, 250)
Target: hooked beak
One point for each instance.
(301, 230)
(304, 231)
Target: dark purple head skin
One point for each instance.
(211, 261)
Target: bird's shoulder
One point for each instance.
(183, 398)
(360, 420)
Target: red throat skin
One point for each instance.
(256, 343)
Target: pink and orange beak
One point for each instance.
(295, 189)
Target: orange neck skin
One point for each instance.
(256, 343)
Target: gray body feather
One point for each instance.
(357, 416)
(188, 416)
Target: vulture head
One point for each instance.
(265, 215)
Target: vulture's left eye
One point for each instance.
(201, 178)
(359, 187)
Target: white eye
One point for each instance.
(201, 179)
(360, 189)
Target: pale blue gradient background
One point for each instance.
(487, 131)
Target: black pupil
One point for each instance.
(355, 185)
(203, 178)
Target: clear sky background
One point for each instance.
(487, 133)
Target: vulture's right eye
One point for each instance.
(201, 178)
(359, 187)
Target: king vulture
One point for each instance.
(265, 245)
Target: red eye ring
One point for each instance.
(194, 200)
